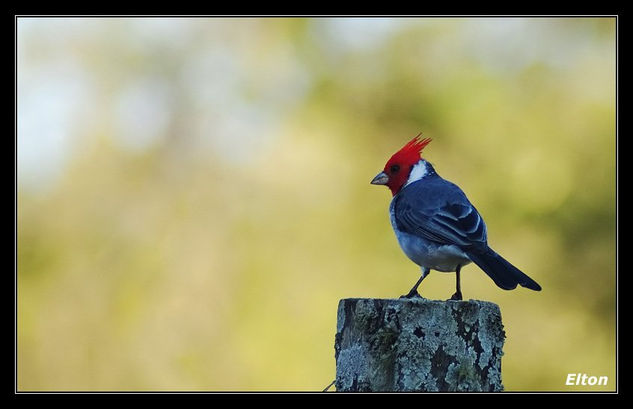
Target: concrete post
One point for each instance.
(418, 345)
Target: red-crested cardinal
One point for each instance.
(436, 225)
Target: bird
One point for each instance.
(436, 226)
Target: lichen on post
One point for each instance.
(418, 345)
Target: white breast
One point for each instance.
(427, 254)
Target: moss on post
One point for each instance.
(418, 345)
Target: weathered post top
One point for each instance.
(418, 345)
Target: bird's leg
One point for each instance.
(458, 293)
(414, 290)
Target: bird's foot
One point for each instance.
(411, 294)
(457, 296)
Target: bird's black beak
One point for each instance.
(381, 179)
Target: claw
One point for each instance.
(457, 296)
(411, 295)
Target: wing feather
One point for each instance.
(439, 211)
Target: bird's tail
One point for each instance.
(504, 274)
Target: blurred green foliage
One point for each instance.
(194, 198)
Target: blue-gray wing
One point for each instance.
(439, 211)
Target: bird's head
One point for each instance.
(399, 167)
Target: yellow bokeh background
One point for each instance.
(193, 194)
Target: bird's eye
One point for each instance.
(394, 168)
